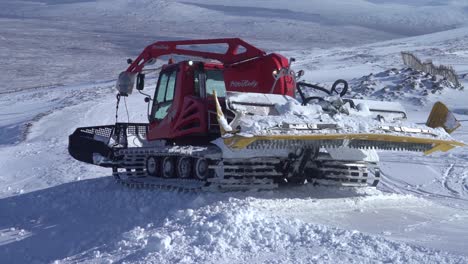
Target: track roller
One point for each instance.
(168, 167)
(184, 167)
(200, 168)
(152, 166)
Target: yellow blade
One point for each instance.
(442, 117)
(377, 141)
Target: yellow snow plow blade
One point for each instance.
(377, 141)
(440, 117)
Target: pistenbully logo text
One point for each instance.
(243, 84)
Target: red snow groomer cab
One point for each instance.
(229, 120)
(183, 105)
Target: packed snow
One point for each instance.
(60, 60)
(400, 84)
(332, 115)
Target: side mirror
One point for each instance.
(140, 82)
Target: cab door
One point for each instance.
(164, 95)
(164, 106)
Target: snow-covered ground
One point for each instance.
(59, 62)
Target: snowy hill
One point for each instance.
(62, 58)
(74, 42)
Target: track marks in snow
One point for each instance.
(442, 179)
(464, 183)
(41, 159)
(397, 185)
(448, 180)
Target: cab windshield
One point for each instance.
(214, 82)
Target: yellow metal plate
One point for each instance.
(442, 117)
(239, 142)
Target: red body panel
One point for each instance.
(256, 76)
(190, 120)
(245, 69)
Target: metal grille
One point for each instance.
(139, 130)
(359, 144)
(103, 131)
(382, 145)
(118, 132)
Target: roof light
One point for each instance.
(190, 63)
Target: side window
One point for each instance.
(215, 82)
(196, 83)
(164, 94)
(162, 87)
(171, 87)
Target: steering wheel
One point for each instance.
(344, 89)
(334, 90)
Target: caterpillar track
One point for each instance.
(134, 174)
(181, 167)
